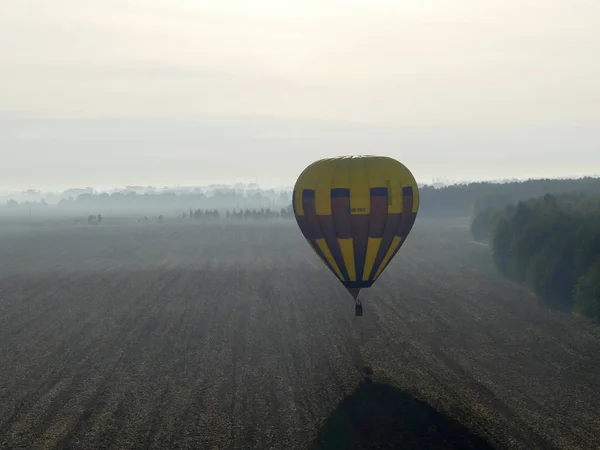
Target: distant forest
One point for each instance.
(467, 200)
(170, 202)
(550, 244)
(458, 200)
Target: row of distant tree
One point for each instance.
(138, 195)
(245, 214)
(468, 199)
(551, 244)
(218, 199)
(263, 213)
(93, 218)
(211, 214)
(459, 200)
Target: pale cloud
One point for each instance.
(442, 74)
(426, 61)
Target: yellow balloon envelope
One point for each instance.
(356, 212)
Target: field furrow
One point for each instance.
(235, 336)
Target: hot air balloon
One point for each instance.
(356, 212)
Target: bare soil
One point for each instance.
(235, 336)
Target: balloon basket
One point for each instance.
(358, 309)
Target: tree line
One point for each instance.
(239, 214)
(457, 200)
(468, 199)
(212, 214)
(218, 198)
(550, 244)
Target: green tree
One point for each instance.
(587, 292)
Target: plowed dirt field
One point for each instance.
(235, 336)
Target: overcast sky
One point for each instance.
(164, 92)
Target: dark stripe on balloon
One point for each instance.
(308, 194)
(406, 222)
(294, 202)
(391, 258)
(389, 231)
(310, 223)
(340, 192)
(408, 217)
(379, 192)
(360, 232)
(328, 230)
(315, 246)
(301, 220)
(378, 211)
(340, 210)
(357, 284)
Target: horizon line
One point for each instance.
(253, 184)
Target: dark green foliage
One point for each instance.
(462, 200)
(485, 223)
(552, 245)
(493, 202)
(587, 292)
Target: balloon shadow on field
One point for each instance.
(380, 416)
